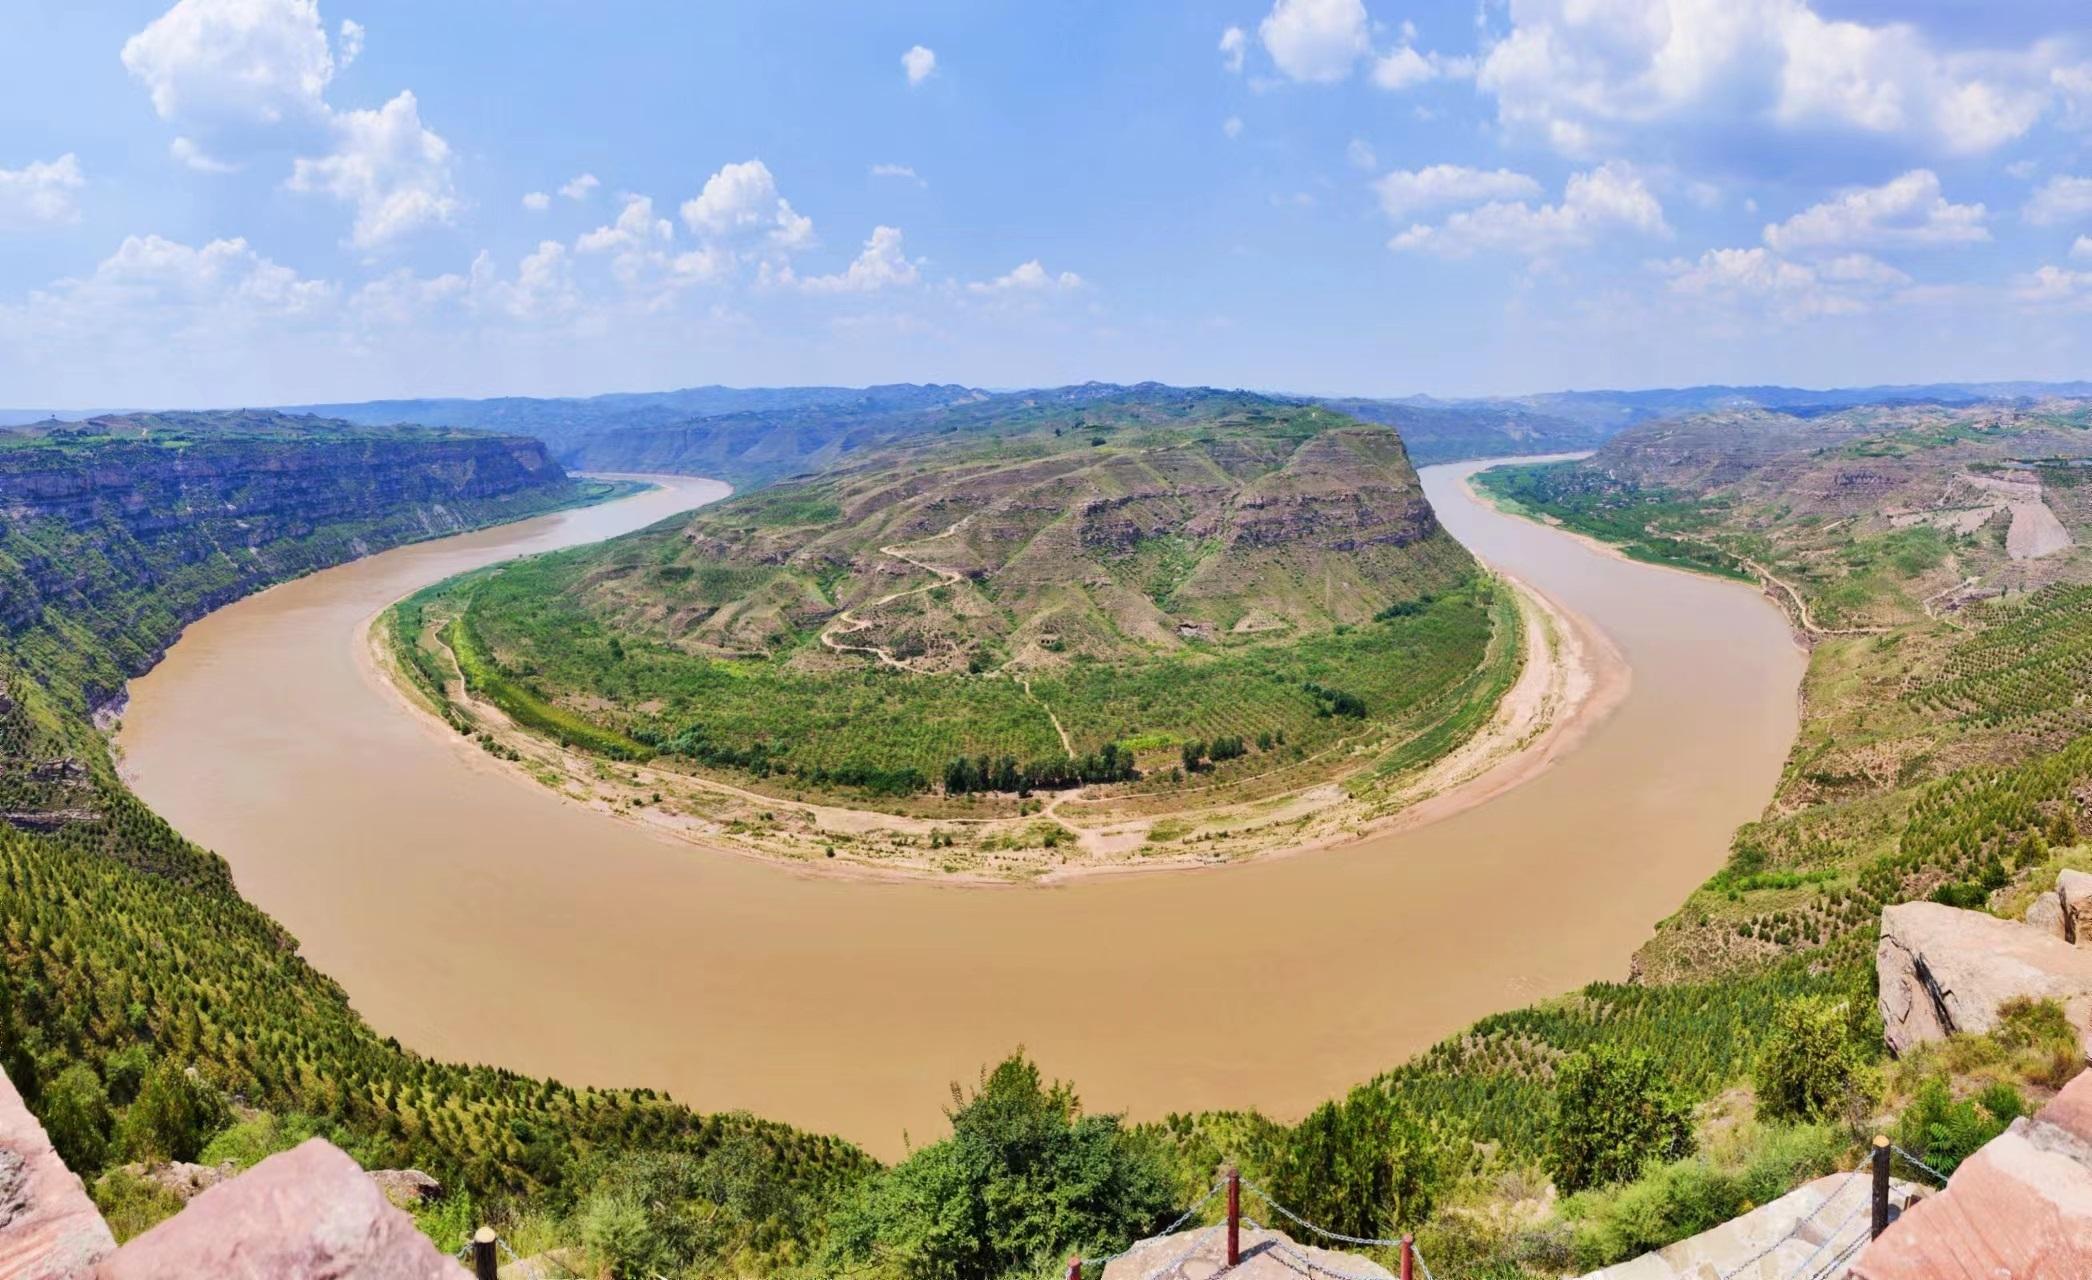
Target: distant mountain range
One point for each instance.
(752, 435)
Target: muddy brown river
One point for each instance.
(480, 918)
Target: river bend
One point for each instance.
(479, 918)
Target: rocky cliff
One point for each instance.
(118, 532)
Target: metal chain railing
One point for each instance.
(1371, 1242)
(1821, 1205)
(1218, 1186)
(1943, 1179)
(1833, 1234)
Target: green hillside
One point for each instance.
(1079, 589)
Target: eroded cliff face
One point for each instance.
(114, 535)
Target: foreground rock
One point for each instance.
(49, 1229)
(1266, 1255)
(2021, 1207)
(1944, 971)
(2065, 911)
(307, 1214)
(2074, 904)
(1809, 1231)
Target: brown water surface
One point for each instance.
(480, 918)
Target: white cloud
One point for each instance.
(536, 201)
(191, 153)
(1608, 198)
(1233, 44)
(400, 298)
(898, 171)
(880, 265)
(1028, 277)
(246, 75)
(2081, 249)
(41, 193)
(1790, 290)
(543, 289)
(392, 169)
(234, 61)
(1232, 127)
(2054, 286)
(1360, 155)
(919, 64)
(580, 187)
(1318, 41)
(1402, 69)
(159, 286)
(1580, 73)
(636, 229)
(1405, 68)
(640, 247)
(350, 42)
(1407, 190)
(740, 200)
(1905, 212)
(2061, 199)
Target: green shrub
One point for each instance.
(176, 1113)
(1685, 1197)
(1613, 1114)
(617, 1231)
(1360, 1167)
(131, 1204)
(1024, 1180)
(2039, 1036)
(1943, 1131)
(76, 1117)
(1810, 1065)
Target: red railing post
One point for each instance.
(1881, 1186)
(1075, 1267)
(1408, 1256)
(1234, 1216)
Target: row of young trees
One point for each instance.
(968, 774)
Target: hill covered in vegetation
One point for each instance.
(1150, 593)
(1936, 560)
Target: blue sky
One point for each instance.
(252, 201)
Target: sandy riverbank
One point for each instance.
(1570, 676)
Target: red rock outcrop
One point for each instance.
(49, 1229)
(310, 1213)
(2020, 1208)
(1942, 970)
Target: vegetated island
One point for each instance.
(1161, 629)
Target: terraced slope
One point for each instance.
(1880, 515)
(1936, 561)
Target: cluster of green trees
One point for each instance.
(1108, 763)
(1335, 702)
(1649, 523)
(1025, 1180)
(1198, 753)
